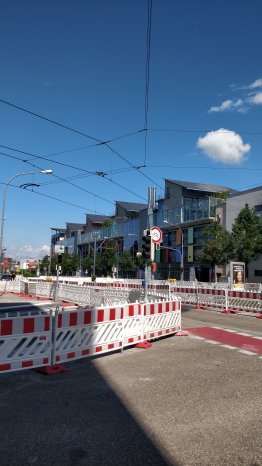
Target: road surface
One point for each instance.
(185, 401)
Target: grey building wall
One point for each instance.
(237, 202)
(251, 198)
(173, 195)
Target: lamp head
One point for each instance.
(46, 172)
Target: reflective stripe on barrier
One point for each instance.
(25, 342)
(161, 318)
(132, 324)
(84, 333)
(30, 342)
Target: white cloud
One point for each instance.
(227, 105)
(28, 252)
(256, 99)
(241, 105)
(257, 83)
(224, 146)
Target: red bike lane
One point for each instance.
(228, 337)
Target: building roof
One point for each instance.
(201, 187)
(60, 230)
(131, 206)
(97, 218)
(75, 226)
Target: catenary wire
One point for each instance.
(148, 53)
(80, 133)
(57, 199)
(62, 179)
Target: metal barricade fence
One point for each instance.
(31, 342)
(216, 296)
(9, 286)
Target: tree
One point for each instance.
(107, 223)
(247, 236)
(127, 263)
(69, 263)
(216, 249)
(44, 265)
(108, 257)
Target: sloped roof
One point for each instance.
(97, 218)
(131, 206)
(201, 187)
(60, 230)
(75, 226)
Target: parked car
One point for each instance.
(6, 276)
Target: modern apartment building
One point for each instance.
(182, 214)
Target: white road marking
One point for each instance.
(228, 347)
(250, 353)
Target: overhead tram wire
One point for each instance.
(148, 52)
(90, 173)
(61, 179)
(105, 143)
(199, 131)
(68, 182)
(94, 145)
(73, 130)
(57, 199)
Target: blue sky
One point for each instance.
(82, 63)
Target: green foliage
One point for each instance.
(247, 236)
(126, 262)
(108, 257)
(107, 223)
(29, 273)
(216, 249)
(222, 195)
(44, 265)
(69, 263)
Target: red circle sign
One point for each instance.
(156, 235)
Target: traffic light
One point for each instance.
(59, 259)
(146, 247)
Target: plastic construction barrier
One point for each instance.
(245, 302)
(28, 342)
(83, 333)
(162, 318)
(88, 332)
(25, 342)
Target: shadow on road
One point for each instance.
(70, 419)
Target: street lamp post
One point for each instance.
(95, 247)
(117, 245)
(182, 247)
(43, 172)
(171, 249)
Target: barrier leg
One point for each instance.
(143, 344)
(53, 368)
(226, 310)
(197, 306)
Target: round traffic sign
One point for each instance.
(156, 235)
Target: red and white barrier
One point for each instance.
(162, 318)
(25, 342)
(132, 324)
(30, 342)
(84, 333)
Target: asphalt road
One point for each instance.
(181, 402)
